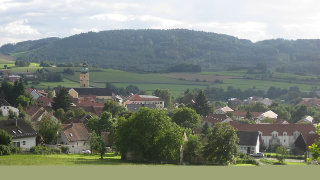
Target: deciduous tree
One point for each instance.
(222, 144)
(187, 117)
(48, 129)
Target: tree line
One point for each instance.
(157, 50)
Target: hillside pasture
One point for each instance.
(194, 77)
(4, 57)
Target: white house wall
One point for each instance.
(5, 110)
(29, 142)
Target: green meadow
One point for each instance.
(150, 82)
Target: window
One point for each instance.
(19, 131)
(285, 134)
(24, 143)
(14, 144)
(284, 140)
(71, 134)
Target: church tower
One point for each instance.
(84, 76)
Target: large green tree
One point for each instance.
(62, 100)
(149, 134)
(114, 108)
(98, 125)
(48, 129)
(201, 104)
(315, 148)
(187, 117)
(165, 95)
(193, 146)
(222, 144)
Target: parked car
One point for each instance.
(86, 151)
(259, 154)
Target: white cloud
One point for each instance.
(17, 28)
(250, 19)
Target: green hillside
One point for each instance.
(157, 50)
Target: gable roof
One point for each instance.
(44, 101)
(92, 109)
(138, 97)
(310, 102)
(215, 118)
(94, 91)
(89, 103)
(22, 129)
(75, 132)
(248, 138)
(3, 102)
(267, 129)
(244, 113)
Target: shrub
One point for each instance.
(15, 150)
(4, 150)
(55, 151)
(39, 150)
(243, 158)
(64, 149)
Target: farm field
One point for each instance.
(194, 77)
(45, 85)
(242, 73)
(244, 84)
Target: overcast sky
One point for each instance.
(249, 19)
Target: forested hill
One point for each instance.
(157, 50)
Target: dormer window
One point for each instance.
(19, 131)
(285, 134)
(14, 132)
(71, 134)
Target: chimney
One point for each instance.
(71, 124)
(16, 121)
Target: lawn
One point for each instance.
(61, 159)
(44, 85)
(271, 162)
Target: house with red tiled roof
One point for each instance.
(304, 141)
(310, 102)
(212, 119)
(44, 101)
(145, 100)
(74, 135)
(257, 116)
(276, 134)
(89, 103)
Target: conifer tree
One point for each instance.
(201, 104)
(62, 100)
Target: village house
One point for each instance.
(212, 119)
(257, 116)
(5, 107)
(75, 136)
(274, 135)
(146, 101)
(307, 119)
(249, 142)
(44, 101)
(101, 94)
(304, 141)
(23, 135)
(310, 102)
(223, 110)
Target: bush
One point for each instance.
(15, 150)
(39, 150)
(4, 150)
(55, 151)
(64, 149)
(243, 158)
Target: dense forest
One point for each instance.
(158, 50)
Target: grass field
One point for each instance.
(171, 81)
(244, 84)
(270, 162)
(59, 159)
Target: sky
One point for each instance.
(255, 20)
